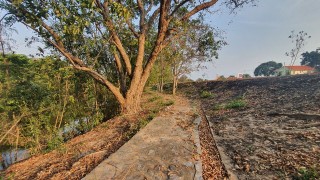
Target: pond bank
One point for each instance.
(80, 155)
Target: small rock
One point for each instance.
(172, 167)
(188, 164)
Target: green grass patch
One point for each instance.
(154, 98)
(235, 104)
(206, 94)
(307, 174)
(165, 103)
(136, 127)
(219, 107)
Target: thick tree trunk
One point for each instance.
(132, 103)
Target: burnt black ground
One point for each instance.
(275, 134)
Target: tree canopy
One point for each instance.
(311, 59)
(112, 37)
(41, 96)
(267, 68)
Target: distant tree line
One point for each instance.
(267, 68)
(311, 59)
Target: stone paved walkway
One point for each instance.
(166, 148)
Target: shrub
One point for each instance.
(234, 104)
(307, 174)
(239, 103)
(206, 94)
(165, 103)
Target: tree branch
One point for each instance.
(104, 81)
(199, 8)
(152, 18)
(178, 6)
(142, 15)
(118, 62)
(109, 24)
(132, 28)
(78, 64)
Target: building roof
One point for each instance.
(300, 68)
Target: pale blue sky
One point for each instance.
(259, 34)
(255, 35)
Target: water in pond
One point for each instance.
(9, 157)
(12, 156)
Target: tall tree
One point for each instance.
(299, 41)
(267, 68)
(311, 59)
(161, 72)
(187, 54)
(123, 29)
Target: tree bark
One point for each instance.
(132, 104)
(174, 85)
(161, 75)
(161, 84)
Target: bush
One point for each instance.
(206, 94)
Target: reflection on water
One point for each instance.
(12, 156)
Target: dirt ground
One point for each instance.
(269, 127)
(81, 154)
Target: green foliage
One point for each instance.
(151, 116)
(208, 46)
(246, 76)
(206, 94)
(184, 79)
(135, 128)
(161, 72)
(267, 69)
(7, 176)
(221, 78)
(154, 98)
(167, 103)
(117, 42)
(235, 104)
(307, 174)
(54, 143)
(46, 95)
(311, 59)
